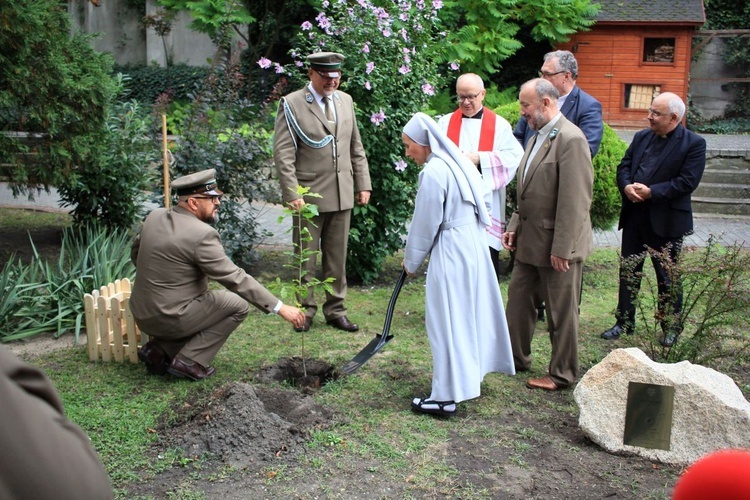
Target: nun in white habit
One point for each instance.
(464, 312)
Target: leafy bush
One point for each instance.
(224, 131)
(109, 188)
(53, 86)
(716, 304)
(605, 204)
(729, 126)
(390, 72)
(45, 296)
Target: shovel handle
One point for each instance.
(392, 303)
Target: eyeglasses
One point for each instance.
(657, 114)
(547, 74)
(214, 198)
(470, 98)
(325, 76)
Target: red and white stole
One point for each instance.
(486, 134)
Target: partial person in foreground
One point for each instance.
(487, 140)
(316, 144)
(722, 474)
(42, 453)
(176, 254)
(551, 235)
(464, 314)
(661, 168)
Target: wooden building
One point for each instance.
(636, 50)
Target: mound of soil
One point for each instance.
(245, 424)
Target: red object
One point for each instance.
(486, 134)
(722, 475)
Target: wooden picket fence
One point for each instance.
(110, 326)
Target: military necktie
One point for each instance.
(328, 110)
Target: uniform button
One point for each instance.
(524, 218)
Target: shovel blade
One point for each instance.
(366, 353)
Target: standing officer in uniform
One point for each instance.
(176, 254)
(317, 145)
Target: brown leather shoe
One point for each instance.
(189, 369)
(306, 327)
(155, 358)
(545, 383)
(343, 323)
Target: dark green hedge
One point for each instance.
(145, 83)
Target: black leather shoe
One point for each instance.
(615, 332)
(343, 323)
(306, 327)
(189, 369)
(155, 358)
(540, 313)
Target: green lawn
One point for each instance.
(123, 409)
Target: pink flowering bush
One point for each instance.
(391, 74)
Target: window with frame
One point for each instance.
(658, 50)
(639, 96)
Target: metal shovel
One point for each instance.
(381, 339)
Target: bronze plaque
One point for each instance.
(648, 415)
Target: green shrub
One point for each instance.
(108, 189)
(53, 85)
(223, 131)
(727, 126)
(605, 204)
(715, 316)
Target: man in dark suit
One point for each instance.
(551, 235)
(560, 68)
(176, 253)
(317, 145)
(659, 171)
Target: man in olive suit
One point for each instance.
(317, 145)
(551, 234)
(176, 253)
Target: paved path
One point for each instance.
(715, 143)
(726, 229)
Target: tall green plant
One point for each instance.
(53, 87)
(390, 72)
(484, 33)
(109, 188)
(224, 131)
(214, 18)
(302, 284)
